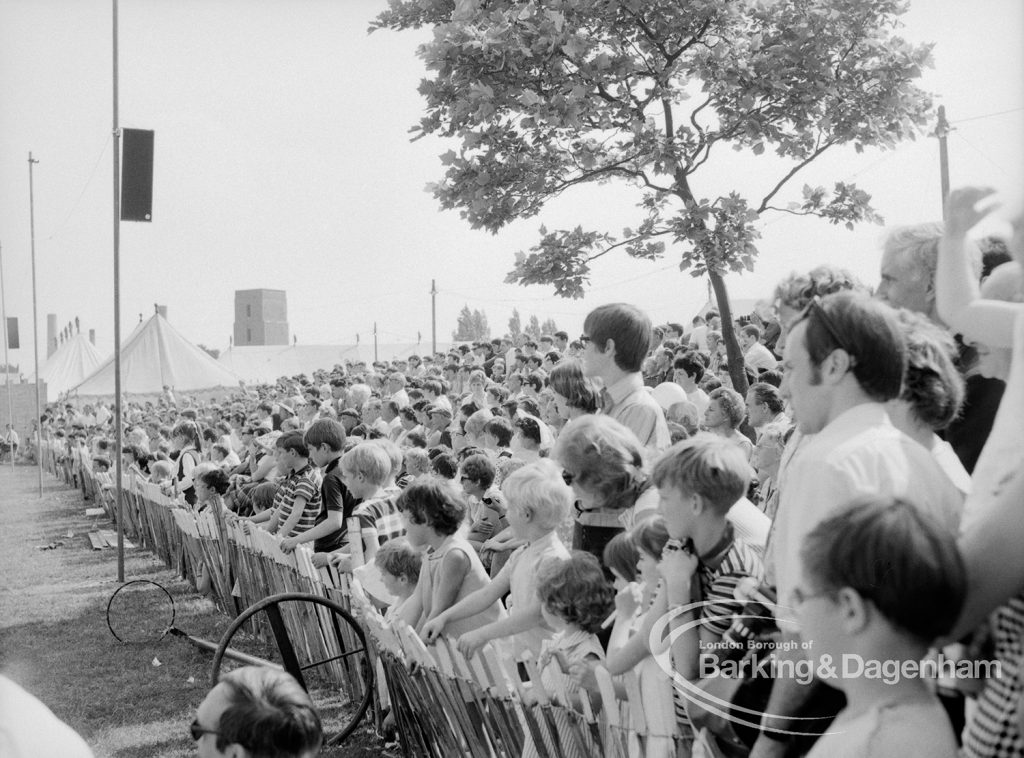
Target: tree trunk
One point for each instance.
(732, 345)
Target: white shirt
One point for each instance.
(749, 523)
(859, 453)
(28, 729)
(699, 337)
(758, 357)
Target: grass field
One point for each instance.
(54, 639)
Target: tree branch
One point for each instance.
(608, 249)
(787, 210)
(671, 58)
(790, 174)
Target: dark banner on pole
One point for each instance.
(137, 175)
(12, 333)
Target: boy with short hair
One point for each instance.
(539, 501)
(326, 441)
(365, 470)
(881, 581)
(618, 337)
(297, 501)
(699, 480)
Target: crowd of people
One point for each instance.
(617, 500)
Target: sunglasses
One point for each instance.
(584, 340)
(198, 731)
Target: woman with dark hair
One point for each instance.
(604, 464)
(574, 394)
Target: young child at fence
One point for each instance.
(325, 440)
(635, 602)
(297, 500)
(399, 564)
(160, 473)
(575, 599)
(539, 500)
(211, 483)
(434, 510)
(365, 470)
(881, 580)
(621, 557)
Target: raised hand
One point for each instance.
(961, 214)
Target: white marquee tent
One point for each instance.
(153, 356)
(69, 365)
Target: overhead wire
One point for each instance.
(74, 207)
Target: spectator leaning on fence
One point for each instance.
(538, 501)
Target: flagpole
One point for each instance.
(35, 321)
(7, 360)
(117, 319)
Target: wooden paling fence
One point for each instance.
(442, 703)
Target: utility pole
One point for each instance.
(433, 317)
(942, 129)
(374, 341)
(7, 360)
(118, 442)
(35, 319)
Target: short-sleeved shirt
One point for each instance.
(304, 483)
(521, 572)
(334, 496)
(381, 515)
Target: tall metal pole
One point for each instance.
(117, 320)
(941, 131)
(7, 360)
(433, 317)
(35, 319)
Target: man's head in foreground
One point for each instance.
(257, 712)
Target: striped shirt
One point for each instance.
(382, 516)
(304, 483)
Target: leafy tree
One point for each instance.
(549, 326)
(533, 328)
(544, 96)
(515, 324)
(471, 326)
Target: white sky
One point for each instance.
(283, 161)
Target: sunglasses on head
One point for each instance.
(198, 731)
(815, 307)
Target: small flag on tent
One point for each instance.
(12, 333)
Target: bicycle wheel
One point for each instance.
(140, 611)
(318, 642)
